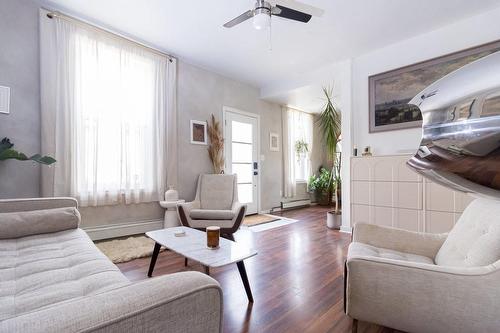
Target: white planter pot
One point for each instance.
(333, 221)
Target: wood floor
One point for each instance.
(296, 279)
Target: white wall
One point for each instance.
(461, 35)
(19, 70)
(464, 34)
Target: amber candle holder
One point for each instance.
(213, 235)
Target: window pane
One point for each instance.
(245, 193)
(244, 172)
(241, 132)
(491, 106)
(241, 153)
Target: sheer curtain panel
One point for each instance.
(107, 117)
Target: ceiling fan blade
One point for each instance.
(237, 20)
(291, 14)
(299, 6)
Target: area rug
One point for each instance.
(257, 219)
(123, 250)
(281, 222)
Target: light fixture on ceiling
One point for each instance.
(262, 15)
(287, 9)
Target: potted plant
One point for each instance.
(322, 187)
(330, 124)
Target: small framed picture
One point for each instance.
(199, 132)
(274, 142)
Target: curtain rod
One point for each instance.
(52, 14)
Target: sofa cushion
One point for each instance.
(365, 250)
(216, 191)
(21, 224)
(37, 271)
(211, 214)
(475, 239)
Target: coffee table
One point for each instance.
(194, 246)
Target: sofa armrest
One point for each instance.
(24, 205)
(181, 302)
(417, 297)
(424, 244)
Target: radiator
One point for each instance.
(295, 203)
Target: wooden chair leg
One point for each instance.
(354, 326)
(185, 262)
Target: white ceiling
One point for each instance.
(192, 30)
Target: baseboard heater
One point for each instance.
(295, 203)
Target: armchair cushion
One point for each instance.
(365, 250)
(216, 191)
(26, 223)
(211, 214)
(475, 239)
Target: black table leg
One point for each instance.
(153, 259)
(244, 278)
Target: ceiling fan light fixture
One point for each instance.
(262, 19)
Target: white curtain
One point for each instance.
(108, 117)
(297, 125)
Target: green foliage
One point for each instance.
(7, 153)
(321, 183)
(301, 147)
(330, 124)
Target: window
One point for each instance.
(302, 143)
(112, 95)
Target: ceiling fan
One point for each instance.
(263, 10)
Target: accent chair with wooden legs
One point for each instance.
(216, 204)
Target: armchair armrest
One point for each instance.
(424, 244)
(181, 302)
(183, 210)
(239, 211)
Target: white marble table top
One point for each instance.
(194, 246)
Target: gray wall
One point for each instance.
(202, 93)
(19, 70)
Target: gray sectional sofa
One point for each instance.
(54, 279)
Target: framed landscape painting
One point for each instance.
(390, 92)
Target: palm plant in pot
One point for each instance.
(330, 124)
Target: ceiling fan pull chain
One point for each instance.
(271, 35)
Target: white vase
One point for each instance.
(171, 194)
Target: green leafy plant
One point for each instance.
(330, 124)
(301, 147)
(321, 185)
(7, 153)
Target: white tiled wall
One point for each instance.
(385, 191)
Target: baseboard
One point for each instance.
(346, 229)
(123, 229)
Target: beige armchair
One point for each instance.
(216, 204)
(418, 282)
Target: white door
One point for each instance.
(241, 150)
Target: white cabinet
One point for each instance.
(385, 191)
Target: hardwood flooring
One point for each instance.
(296, 279)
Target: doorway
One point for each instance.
(241, 151)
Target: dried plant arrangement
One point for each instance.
(216, 145)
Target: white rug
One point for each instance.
(280, 222)
(123, 250)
